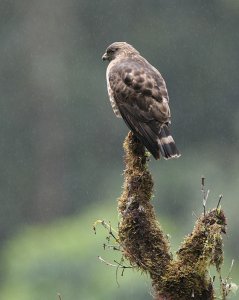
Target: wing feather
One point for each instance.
(143, 132)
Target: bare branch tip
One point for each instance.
(219, 201)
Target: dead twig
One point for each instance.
(205, 194)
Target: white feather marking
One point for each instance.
(166, 140)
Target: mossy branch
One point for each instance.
(146, 247)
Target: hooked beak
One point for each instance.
(105, 57)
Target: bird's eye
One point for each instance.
(111, 50)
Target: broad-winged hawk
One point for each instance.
(138, 94)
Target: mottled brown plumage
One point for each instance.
(138, 94)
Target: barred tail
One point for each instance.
(166, 143)
(153, 135)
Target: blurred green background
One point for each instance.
(61, 145)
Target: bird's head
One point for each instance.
(119, 49)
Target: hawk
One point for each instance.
(138, 94)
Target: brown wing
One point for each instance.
(141, 96)
(139, 88)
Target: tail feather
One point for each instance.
(166, 143)
(153, 135)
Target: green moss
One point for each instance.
(140, 235)
(146, 247)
